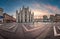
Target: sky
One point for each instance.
(39, 7)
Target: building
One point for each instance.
(1, 15)
(24, 15)
(57, 17)
(8, 18)
(45, 18)
(38, 20)
(52, 18)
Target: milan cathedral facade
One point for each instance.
(24, 15)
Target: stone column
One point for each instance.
(30, 16)
(27, 16)
(23, 14)
(16, 15)
(18, 18)
(20, 15)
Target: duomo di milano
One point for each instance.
(24, 15)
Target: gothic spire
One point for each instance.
(28, 7)
(16, 11)
(23, 6)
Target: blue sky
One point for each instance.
(39, 7)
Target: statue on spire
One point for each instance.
(23, 6)
(16, 11)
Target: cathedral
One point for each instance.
(24, 15)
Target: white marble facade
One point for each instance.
(24, 15)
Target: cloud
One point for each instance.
(43, 9)
(53, 9)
